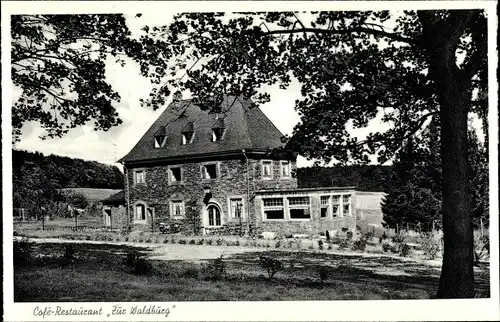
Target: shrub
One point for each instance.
(344, 243)
(131, 258)
(481, 248)
(142, 266)
(271, 265)
(191, 272)
(325, 272)
(327, 234)
(215, 270)
(278, 243)
(398, 239)
(237, 243)
(330, 246)
(386, 247)
(165, 241)
(201, 241)
(182, 241)
(290, 243)
(431, 247)
(219, 241)
(299, 243)
(359, 244)
(22, 252)
(404, 250)
(69, 252)
(148, 240)
(192, 242)
(209, 241)
(320, 244)
(349, 235)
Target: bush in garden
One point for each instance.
(278, 243)
(142, 266)
(360, 244)
(271, 265)
(69, 253)
(182, 241)
(209, 241)
(330, 246)
(386, 247)
(290, 243)
(191, 272)
(201, 241)
(344, 243)
(237, 243)
(320, 244)
(431, 247)
(299, 243)
(404, 250)
(349, 235)
(192, 242)
(324, 272)
(165, 241)
(481, 248)
(327, 234)
(398, 239)
(22, 252)
(215, 270)
(219, 241)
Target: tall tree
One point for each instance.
(58, 64)
(351, 65)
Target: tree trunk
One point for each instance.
(457, 278)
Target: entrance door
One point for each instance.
(108, 217)
(214, 217)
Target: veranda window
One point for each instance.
(299, 208)
(273, 208)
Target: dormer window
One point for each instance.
(218, 130)
(217, 134)
(160, 137)
(188, 133)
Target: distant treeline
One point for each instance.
(364, 178)
(34, 172)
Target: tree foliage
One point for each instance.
(59, 66)
(37, 178)
(351, 66)
(414, 197)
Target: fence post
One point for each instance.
(76, 219)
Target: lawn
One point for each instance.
(98, 273)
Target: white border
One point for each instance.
(411, 310)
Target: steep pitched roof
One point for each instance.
(245, 128)
(116, 199)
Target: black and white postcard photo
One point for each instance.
(250, 160)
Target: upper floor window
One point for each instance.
(160, 137)
(139, 177)
(209, 171)
(188, 133)
(175, 175)
(285, 169)
(218, 130)
(218, 134)
(267, 169)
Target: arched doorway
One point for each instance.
(213, 216)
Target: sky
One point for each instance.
(108, 147)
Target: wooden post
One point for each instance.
(43, 218)
(76, 219)
(152, 220)
(481, 223)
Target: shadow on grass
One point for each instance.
(99, 273)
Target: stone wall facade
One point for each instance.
(315, 224)
(158, 191)
(114, 216)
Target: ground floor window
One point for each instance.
(335, 206)
(177, 209)
(236, 207)
(299, 207)
(346, 205)
(214, 216)
(325, 206)
(273, 208)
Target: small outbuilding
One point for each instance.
(113, 211)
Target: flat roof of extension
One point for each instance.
(314, 189)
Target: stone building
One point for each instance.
(113, 211)
(224, 173)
